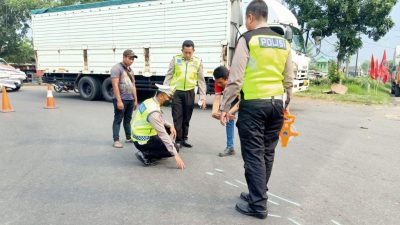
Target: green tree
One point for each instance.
(347, 19)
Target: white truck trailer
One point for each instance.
(76, 46)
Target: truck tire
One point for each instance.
(89, 88)
(107, 90)
(17, 87)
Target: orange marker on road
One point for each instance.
(50, 102)
(287, 131)
(5, 101)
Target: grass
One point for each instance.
(360, 90)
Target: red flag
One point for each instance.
(384, 58)
(384, 71)
(372, 68)
(377, 72)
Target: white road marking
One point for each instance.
(240, 182)
(275, 203)
(284, 199)
(209, 173)
(272, 215)
(335, 222)
(219, 170)
(294, 221)
(229, 183)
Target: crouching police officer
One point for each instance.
(149, 130)
(262, 70)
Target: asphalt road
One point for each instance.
(58, 167)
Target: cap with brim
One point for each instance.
(166, 89)
(129, 53)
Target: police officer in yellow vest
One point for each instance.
(152, 135)
(261, 71)
(185, 73)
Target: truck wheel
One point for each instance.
(57, 88)
(107, 90)
(17, 87)
(89, 88)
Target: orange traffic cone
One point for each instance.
(287, 132)
(5, 106)
(50, 103)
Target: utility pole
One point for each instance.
(355, 72)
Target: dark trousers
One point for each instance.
(119, 115)
(154, 148)
(259, 124)
(182, 109)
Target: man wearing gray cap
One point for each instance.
(153, 136)
(125, 98)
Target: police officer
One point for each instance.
(261, 71)
(153, 136)
(185, 73)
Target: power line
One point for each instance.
(321, 52)
(329, 42)
(378, 45)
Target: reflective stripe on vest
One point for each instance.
(142, 130)
(185, 73)
(264, 72)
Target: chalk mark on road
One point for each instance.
(294, 221)
(218, 170)
(276, 216)
(209, 173)
(229, 183)
(240, 182)
(284, 199)
(335, 222)
(275, 203)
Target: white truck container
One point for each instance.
(76, 46)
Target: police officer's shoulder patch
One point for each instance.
(142, 108)
(271, 42)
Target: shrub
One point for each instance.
(333, 74)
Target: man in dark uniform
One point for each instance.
(261, 71)
(185, 73)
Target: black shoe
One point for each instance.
(244, 196)
(245, 209)
(146, 162)
(186, 144)
(179, 145)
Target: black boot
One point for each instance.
(142, 158)
(245, 209)
(186, 144)
(244, 196)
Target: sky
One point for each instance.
(388, 42)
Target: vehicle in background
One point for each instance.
(28, 68)
(396, 74)
(10, 75)
(76, 46)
